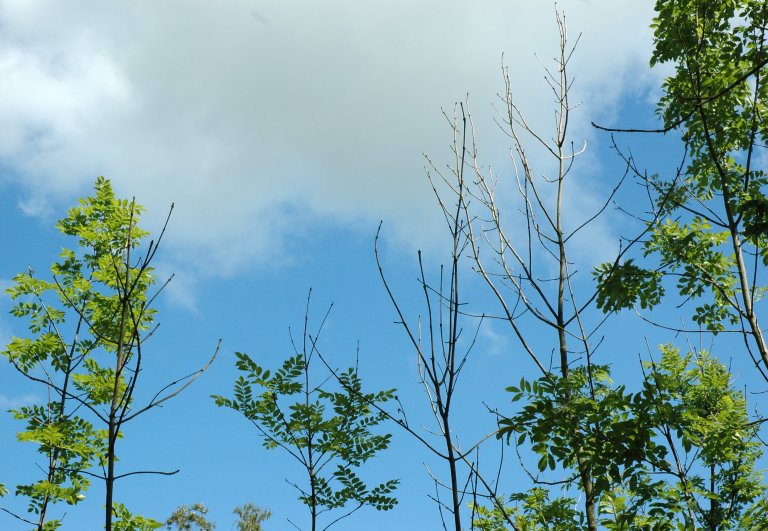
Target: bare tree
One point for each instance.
(439, 361)
(515, 256)
(436, 339)
(516, 274)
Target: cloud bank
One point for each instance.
(260, 120)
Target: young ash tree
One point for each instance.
(710, 220)
(330, 433)
(437, 339)
(709, 233)
(88, 325)
(520, 280)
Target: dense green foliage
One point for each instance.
(678, 454)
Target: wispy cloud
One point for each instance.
(178, 286)
(13, 402)
(494, 343)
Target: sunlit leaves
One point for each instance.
(76, 445)
(534, 510)
(625, 285)
(92, 305)
(97, 383)
(686, 411)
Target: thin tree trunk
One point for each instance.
(454, 473)
(110, 479)
(54, 459)
(583, 465)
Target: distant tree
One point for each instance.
(190, 518)
(291, 411)
(250, 517)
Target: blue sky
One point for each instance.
(284, 132)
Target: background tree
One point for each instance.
(189, 518)
(250, 517)
(331, 447)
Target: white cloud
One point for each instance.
(495, 343)
(257, 119)
(178, 285)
